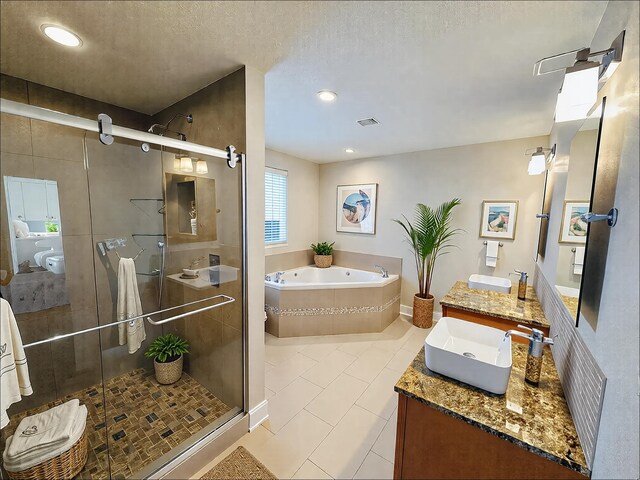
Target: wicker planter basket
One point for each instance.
(66, 465)
(170, 372)
(323, 261)
(423, 311)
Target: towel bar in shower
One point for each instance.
(193, 312)
(127, 320)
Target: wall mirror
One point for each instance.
(573, 230)
(33, 245)
(190, 212)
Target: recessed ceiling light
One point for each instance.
(327, 95)
(61, 35)
(349, 150)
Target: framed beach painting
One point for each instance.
(574, 228)
(356, 208)
(499, 219)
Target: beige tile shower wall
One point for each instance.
(287, 261)
(583, 382)
(488, 171)
(367, 262)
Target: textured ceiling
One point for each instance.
(436, 74)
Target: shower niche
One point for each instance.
(190, 213)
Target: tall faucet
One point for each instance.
(278, 277)
(385, 273)
(537, 341)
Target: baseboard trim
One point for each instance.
(407, 311)
(258, 414)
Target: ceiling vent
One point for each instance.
(368, 121)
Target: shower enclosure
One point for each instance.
(168, 204)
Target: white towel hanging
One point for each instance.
(129, 306)
(492, 253)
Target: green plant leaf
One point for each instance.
(167, 347)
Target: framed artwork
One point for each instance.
(356, 208)
(499, 219)
(573, 228)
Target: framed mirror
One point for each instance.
(574, 230)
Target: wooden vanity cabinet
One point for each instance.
(433, 445)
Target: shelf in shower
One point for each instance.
(150, 199)
(152, 274)
(147, 234)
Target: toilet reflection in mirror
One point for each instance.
(34, 270)
(573, 232)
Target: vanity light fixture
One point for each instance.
(327, 95)
(538, 161)
(582, 81)
(201, 166)
(349, 150)
(61, 35)
(183, 163)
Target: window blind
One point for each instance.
(275, 203)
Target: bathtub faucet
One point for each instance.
(385, 273)
(278, 277)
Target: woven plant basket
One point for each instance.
(323, 261)
(170, 372)
(66, 465)
(423, 311)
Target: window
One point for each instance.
(275, 206)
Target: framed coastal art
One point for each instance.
(574, 228)
(356, 208)
(499, 219)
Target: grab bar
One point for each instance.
(193, 312)
(127, 320)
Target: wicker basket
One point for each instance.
(323, 261)
(169, 372)
(66, 465)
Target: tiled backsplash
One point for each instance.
(360, 261)
(582, 379)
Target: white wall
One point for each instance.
(490, 171)
(302, 201)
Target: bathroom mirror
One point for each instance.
(190, 212)
(573, 230)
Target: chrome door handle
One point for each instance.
(542, 215)
(611, 217)
(193, 312)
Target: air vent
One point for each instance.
(368, 121)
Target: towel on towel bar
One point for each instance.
(39, 455)
(14, 372)
(129, 306)
(43, 431)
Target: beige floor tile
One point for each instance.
(286, 451)
(336, 400)
(310, 471)
(268, 393)
(277, 354)
(402, 359)
(375, 467)
(319, 351)
(288, 402)
(379, 397)
(416, 340)
(369, 364)
(283, 374)
(328, 369)
(345, 448)
(385, 445)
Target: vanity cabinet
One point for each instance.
(33, 200)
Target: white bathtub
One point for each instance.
(314, 278)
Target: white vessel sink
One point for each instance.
(487, 282)
(470, 353)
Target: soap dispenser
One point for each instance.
(522, 284)
(537, 341)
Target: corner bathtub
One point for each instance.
(330, 301)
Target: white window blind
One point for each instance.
(275, 203)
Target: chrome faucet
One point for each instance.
(537, 341)
(385, 273)
(278, 277)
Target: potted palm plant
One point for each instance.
(323, 254)
(430, 236)
(167, 352)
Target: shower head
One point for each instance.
(165, 127)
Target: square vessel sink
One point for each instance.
(470, 353)
(487, 282)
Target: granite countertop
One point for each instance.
(495, 304)
(534, 418)
(571, 303)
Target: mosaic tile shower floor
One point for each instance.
(145, 420)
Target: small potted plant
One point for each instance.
(167, 352)
(323, 254)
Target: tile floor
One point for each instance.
(144, 420)
(332, 408)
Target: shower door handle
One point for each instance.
(227, 298)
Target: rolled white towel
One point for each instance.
(42, 455)
(44, 430)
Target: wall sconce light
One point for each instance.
(583, 80)
(201, 166)
(538, 161)
(183, 163)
